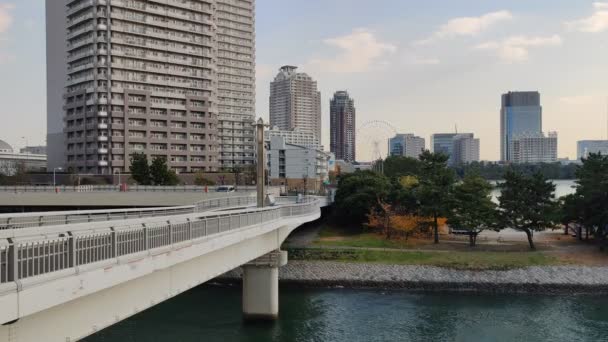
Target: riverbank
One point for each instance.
(538, 279)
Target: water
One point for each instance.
(562, 188)
(214, 314)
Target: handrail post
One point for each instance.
(170, 232)
(189, 229)
(72, 251)
(146, 242)
(114, 243)
(13, 261)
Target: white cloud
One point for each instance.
(361, 51)
(415, 60)
(517, 48)
(468, 26)
(6, 18)
(597, 22)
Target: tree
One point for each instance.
(160, 173)
(435, 187)
(592, 195)
(358, 193)
(527, 203)
(472, 207)
(398, 166)
(140, 170)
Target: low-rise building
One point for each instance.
(296, 167)
(534, 148)
(11, 162)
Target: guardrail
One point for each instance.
(27, 257)
(28, 220)
(116, 188)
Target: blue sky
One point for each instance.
(423, 66)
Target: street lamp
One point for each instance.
(54, 175)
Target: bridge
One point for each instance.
(67, 275)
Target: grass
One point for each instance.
(335, 237)
(455, 260)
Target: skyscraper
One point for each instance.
(295, 101)
(406, 145)
(520, 114)
(152, 77)
(342, 115)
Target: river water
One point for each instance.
(214, 314)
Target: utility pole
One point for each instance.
(261, 163)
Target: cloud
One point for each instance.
(467, 26)
(415, 60)
(361, 51)
(6, 18)
(597, 22)
(517, 48)
(576, 100)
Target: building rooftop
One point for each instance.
(5, 147)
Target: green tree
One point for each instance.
(472, 207)
(436, 181)
(161, 174)
(527, 203)
(592, 195)
(398, 166)
(357, 194)
(140, 170)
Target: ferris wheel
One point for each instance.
(372, 139)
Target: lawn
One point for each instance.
(472, 260)
(335, 237)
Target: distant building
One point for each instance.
(443, 143)
(465, 149)
(406, 145)
(10, 162)
(33, 150)
(520, 114)
(586, 147)
(342, 126)
(293, 166)
(295, 101)
(461, 148)
(534, 148)
(296, 136)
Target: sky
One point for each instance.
(423, 67)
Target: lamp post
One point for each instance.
(54, 175)
(261, 163)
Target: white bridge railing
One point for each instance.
(117, 188)
(31, 256)
(26, 220)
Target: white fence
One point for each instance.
(116, 188)
(27, 257)
(25, 220)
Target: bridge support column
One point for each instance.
(261, 287)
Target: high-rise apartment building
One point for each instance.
(295, 101)
(295, 137)
(342, 114)
(154, 77)
(235, 37)
(534, 148)
(465, 149)
(586, 147)
(406, 145)
(520, 114)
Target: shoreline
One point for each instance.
(549, 280)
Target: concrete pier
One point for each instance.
(261, 286)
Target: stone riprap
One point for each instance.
(543, 279)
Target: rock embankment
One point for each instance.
(540, 279)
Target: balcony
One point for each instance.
(102, 138)
(102, 101)
(102, 27)
(102, 163)
(102, 151)
(102, 126)
(102, 114)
